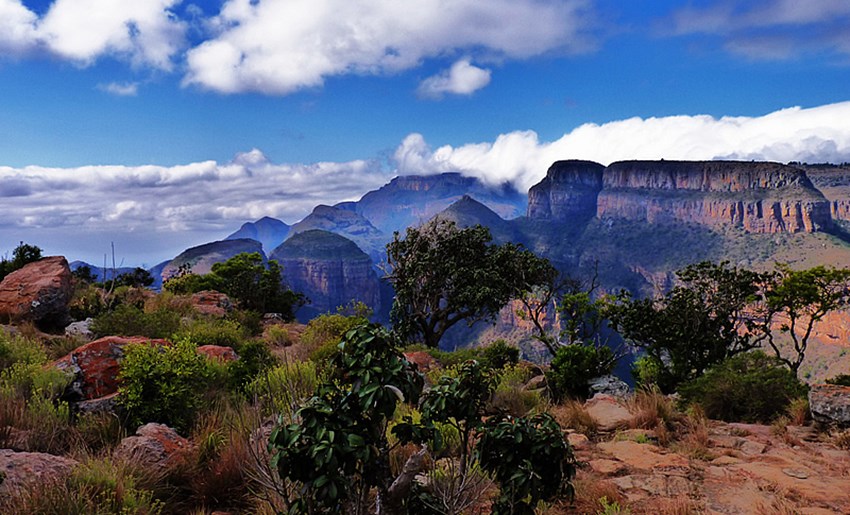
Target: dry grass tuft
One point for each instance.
(799, 412)
(572, 415)
(842, 439)
(694, 441)
(590, 490)
(651, 409)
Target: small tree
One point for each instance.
(444, 274)
(705, 319)
(798, 299)
(22, 255)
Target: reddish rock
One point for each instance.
(830, 403)
(608, 412)
(423, 361)
(218, 352)
(39, 292)
(31, 469)
(155, 446)
(213, 303)
(95, 365)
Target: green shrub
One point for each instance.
(510, 397)
(19, 349)
(841, 380)
(324, 333)
(451, 359)
(254, 358)
(646, 371)
(130, 320)
(164, 384)
(86, 302)
(529, 458)
(500, 354)
(575, 365)
(222, 332)
(750, 387)
(284, 388)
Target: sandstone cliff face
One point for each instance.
(758, 197)
(834, 182)
(329, 269)
(568, 191)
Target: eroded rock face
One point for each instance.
(830, 404)
(95, 365)
(212, 303)
(758, 197)
(155, 446)
(38, 292)
(31, 469)
(568, 191)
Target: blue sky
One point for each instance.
(161, 124)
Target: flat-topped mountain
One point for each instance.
(758, 197)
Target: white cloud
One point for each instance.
(145, 32)
(769, 29)
(17, 28)
(820, 134)
(280, 46)
(463, 78)
(120, 89)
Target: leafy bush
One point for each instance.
(510, 397)
(575, 365)
(750, 387)
(284, 388)
(529, 458)
(22, 255)
(647, 370)
(324, 333)
(19, 349)
(87, 302)
(500, 354)
(129, 320)
(164, 384)
(254, 358)
(226, 333)
(841, 380)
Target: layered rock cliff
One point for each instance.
(834, 182)
(329, 269)
(758, 197)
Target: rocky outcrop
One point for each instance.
(212, 303)
(31, 469)
(568, 192)
(329, 269)
(758, 197)
(830, 404)
(270, 232)
(156, 447)
(200, 259)
(94, 366)
(219, 353)
(39, 292)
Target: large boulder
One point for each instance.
(155, 447)
(218, 353)
(609, 385)
(31, 469)
(830, 404)
(95, 365)
(212, 303)
(39, 292)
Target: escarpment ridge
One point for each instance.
(760, 197)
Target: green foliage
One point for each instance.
(510, 397)
(841, 380)
(530, 460)
(129, 320)
(21, 256)
(443, 274)
(19, 349)
(574, 365)
(749, 387)
(254, 359)
(339, 449)
(283, 389)
(646, 370)
(702, 321)
(803, 298)
(500, 354)
(324, 333)
(253, 284)
(84, 274)
(164, 384)
(222, 332)
(87, 302)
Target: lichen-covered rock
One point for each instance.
(31, 469)
(81, 329)
(39, 292)
(95, 365)
(212, 303)
(155, 447)
(609, 385)
(830, 404)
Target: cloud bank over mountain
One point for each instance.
(210, 199)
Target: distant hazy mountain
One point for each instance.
(99, 272)
(270, 232)
(203, 257)
(348, 224)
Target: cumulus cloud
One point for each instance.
(280, 46)
(820, 134)
(146, 33)
(769, 29)
(463, 78)
(120, 89)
